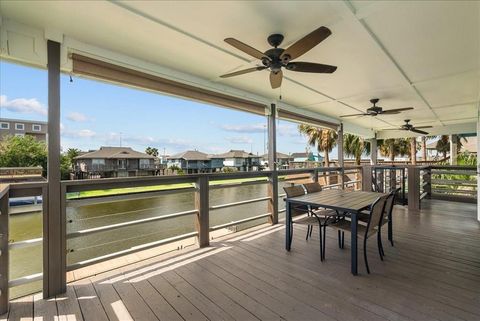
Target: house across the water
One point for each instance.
(193, 161)
(283, 160)
(114, 162)
(240, 160)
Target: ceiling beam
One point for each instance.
(350, 13)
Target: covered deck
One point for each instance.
(432, 273)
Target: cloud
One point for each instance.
(239, 140)
(288, 130)
(250, 128)
(23, 105)
(77, 117)
(76, 133)
(114, 139)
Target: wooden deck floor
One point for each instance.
(432, 273)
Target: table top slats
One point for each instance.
(341, 200)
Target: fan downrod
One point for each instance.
(275, 40)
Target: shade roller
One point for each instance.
(299, 118)
(95, 68)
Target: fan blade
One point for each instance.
(305, 44)
(417, 127)
(396, 111)
(354, 115)
(241, 72)
(418, 131)
(246, 48)
(276, 79)
(311, 67)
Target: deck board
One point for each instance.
(432, 273)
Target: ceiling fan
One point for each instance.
(377, 110)
(276, 58)
(409, 127)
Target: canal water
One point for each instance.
(27, 261)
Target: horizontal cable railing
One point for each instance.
(453, 183)
(8, 244)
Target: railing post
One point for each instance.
(428, 179)
(413, 188)
(54, 253)
(273, 194)
(272, 163)
(314, 175)
(367, 178)
(202, 222)
(4, 253)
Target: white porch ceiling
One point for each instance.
(420, 54)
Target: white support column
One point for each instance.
(272, 164)
(373, 150)
(340, 153)
(478, 159)
(453, 149)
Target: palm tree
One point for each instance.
(324, 139)
(71, 154)
(394, 147)
(413, 150)
(443, 144)
(355, 146)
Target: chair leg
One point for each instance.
(339, 239)
(390, 230)
(379, 244)
(311, 230)
(365, 255)
(324, 239)
(291, 234)
(321, 242)
(308, 232)
(343, 239)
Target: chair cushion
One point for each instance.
(345, 225)
(326, 212)
(307, 220)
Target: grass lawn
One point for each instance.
(143, 189)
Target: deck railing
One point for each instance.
(423, 182)
(455, 183)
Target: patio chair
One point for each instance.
(313, 217)
(387, 218)
(372, 227)
(325, 214)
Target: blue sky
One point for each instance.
(95, 114)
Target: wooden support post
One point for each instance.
(453, 149)
(413, 188)
(428, 179)
(4, 253)
(314, 176)
(202, 222)
(340, 155)
(272, 163)
(367, 178)
(373, 150)
(54, 273)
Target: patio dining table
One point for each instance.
(349, 202)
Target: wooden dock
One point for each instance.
(432, 273)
